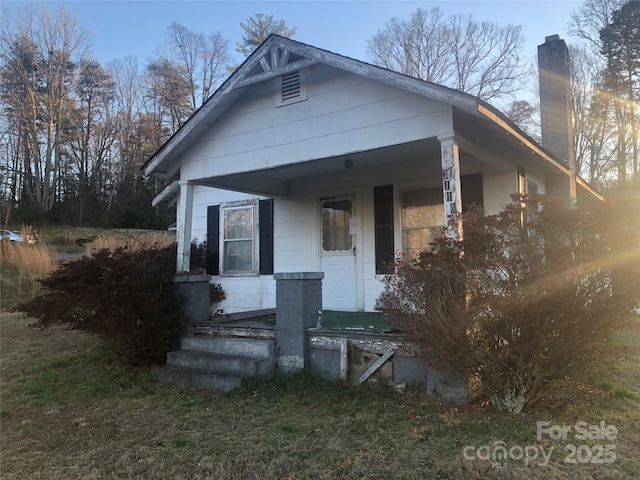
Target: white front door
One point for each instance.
(338, 230)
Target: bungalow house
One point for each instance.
(308, 161)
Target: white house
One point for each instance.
(305, 160)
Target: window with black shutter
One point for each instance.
(232, 250)
(213, 240)
(383, 214)
(265, 214)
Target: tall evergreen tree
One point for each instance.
(258, 28)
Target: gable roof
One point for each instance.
(278, 56)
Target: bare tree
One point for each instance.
(606, 110)
(41, 52)
(199, 59)
(621, 47)
(417, 47)
(526, 116)
(92, 133)
(592, 122)
(478, 58)
(590, 18)
(258, 28)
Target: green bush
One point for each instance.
(125, 297)
(525, 305)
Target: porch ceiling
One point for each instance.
(347, 168)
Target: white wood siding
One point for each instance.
(344, 113)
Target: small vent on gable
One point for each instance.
(293, 88)
(290, 86)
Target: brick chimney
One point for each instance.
(555, 107)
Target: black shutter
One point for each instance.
(265, 219)
(383, 213)
(472, 192)
(213, 240)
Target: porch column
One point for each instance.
(183, 225)
(298, 302)
(450, 158)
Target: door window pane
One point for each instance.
(336, 217)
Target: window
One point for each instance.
(422, 217)
(336, 218)
(240, 238)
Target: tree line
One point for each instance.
(74, 132)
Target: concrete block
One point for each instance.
(196, 378)
(249, 347)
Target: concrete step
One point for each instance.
(188, 377)
(220, 364)
(249, 347)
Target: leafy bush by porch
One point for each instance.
(525, 306)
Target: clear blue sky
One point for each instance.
(136, 27)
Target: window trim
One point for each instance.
(255, 245)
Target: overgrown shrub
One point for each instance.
(125, 297)
(523, 305)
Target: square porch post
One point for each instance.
(298, 303)
(451, 186)
(183, 226)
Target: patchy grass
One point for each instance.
(71, 410)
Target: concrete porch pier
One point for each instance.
(298, 301)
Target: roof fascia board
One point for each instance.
(167, 194)
(411, 84)
(487, 112)
(589, 189)
(494, 117)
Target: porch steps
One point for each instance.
(218, 363)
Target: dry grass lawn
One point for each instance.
(71, 411)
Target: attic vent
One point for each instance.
(290, 86)
(293, 88)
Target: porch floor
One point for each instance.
(331, 320)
